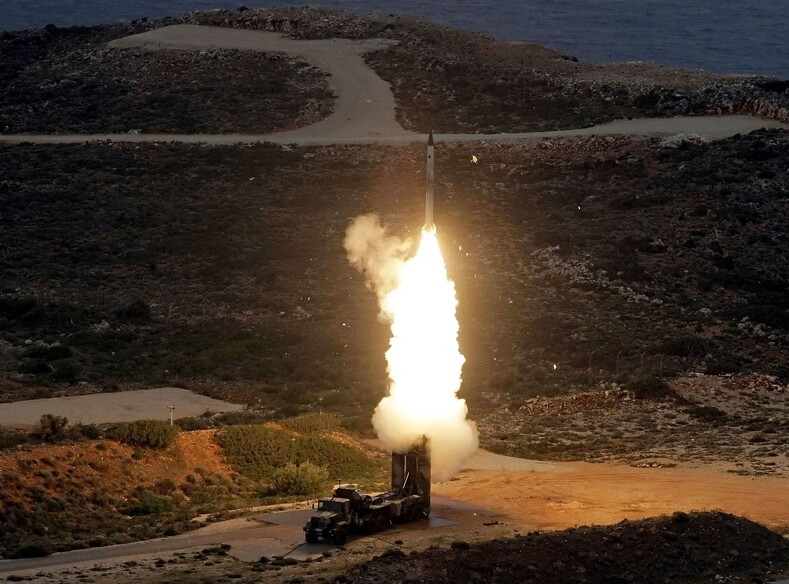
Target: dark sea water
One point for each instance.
(727, 36)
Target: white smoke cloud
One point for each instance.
(424, 360)
(377, 254)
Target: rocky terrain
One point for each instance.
(516, 87)
(684, 429)
(621, 299)
(87, 486)
(577, 262)
(699, 547)
(68, 81)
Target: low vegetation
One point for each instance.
(146, 479)
(145, 433)
(312, 423)
(299, 479)
(68, 81)
(258, 452)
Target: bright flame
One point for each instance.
(424, 360)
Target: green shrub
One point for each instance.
(209, 495)
(303, 479)
(52, 353)
(52, 428)
(145, 433)
(164, 486)
(684, 346)
(257, 451)
(146, 502)
(89, 431)
(34, 366)
(191, 424)
(34, 549)
(66, 370)
(358, 424)
(11, 438)
(708, 414)
(312, 422)
(649, 387)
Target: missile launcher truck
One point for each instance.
(350, 511)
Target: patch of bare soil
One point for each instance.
(700, 547)
(65, 497)
(579, 493)
(105, 466)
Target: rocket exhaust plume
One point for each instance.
(424, 361)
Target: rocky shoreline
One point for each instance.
(65, 80)
(517, 86)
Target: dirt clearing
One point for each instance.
(125, 406)
(587, 494)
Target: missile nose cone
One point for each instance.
(430, 138)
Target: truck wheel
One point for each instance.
(414, 513)
(409, 515)
(340, 537)
(311, 537)
(379, 523)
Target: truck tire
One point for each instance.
(378, 524)
(311, 537)
(367, 526)
(414, 513)
(340, 537)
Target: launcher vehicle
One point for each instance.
(350, 511)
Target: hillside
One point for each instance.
(90, 493)
(516, 87)
(67, 80)
(616, 259)
(700, 547)
(623, 300)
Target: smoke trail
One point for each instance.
(376, 254)
(424, 360)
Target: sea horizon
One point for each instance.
(724, 37)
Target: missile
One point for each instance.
(429, 226)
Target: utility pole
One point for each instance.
(171, 407)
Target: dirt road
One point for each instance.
(561, 495)
(495, 497)
(261, 534)
(364, 111)
(364, 107)
(708, 127)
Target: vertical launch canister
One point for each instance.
(430, 183)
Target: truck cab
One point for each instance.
(331, 520)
